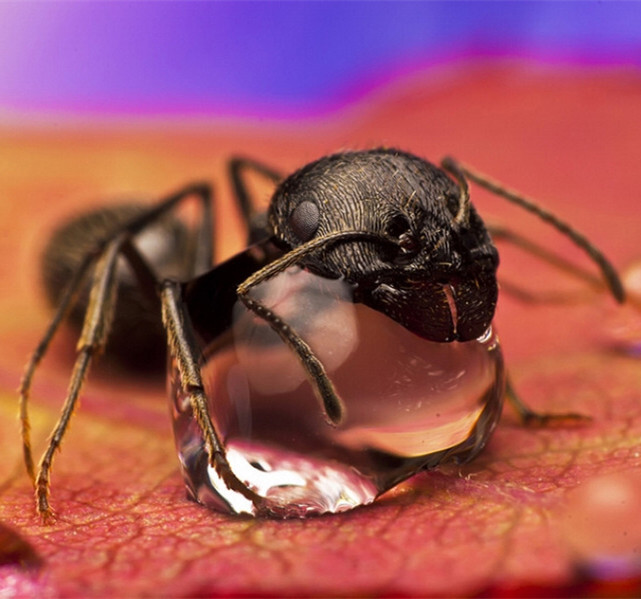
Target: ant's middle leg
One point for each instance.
(255, 220)
(182, 347)
(596, 284)
(531, 417)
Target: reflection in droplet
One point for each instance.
(410, 403)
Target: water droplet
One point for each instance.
(623, 327)
(600, 524)
(410, 403)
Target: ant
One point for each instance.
(402, 232)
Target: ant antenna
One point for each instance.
(452, 167)
(329, 399)
(609, 272)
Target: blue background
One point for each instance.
(278, 58)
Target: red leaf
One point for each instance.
(497, 526)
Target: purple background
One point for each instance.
(276, 58)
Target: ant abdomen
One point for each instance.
(137, 340)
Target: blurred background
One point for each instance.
(277, 59)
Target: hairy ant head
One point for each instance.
(428, 262)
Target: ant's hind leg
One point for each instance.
(99, 315)
(92, 339)
(64, 305)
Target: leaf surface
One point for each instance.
(124, 527)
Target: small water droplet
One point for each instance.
(600, 523)
(623, 325)
(410, 403)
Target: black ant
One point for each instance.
(399, 230)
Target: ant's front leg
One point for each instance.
(610, 276)
(527, 415)
(182, 348)
(609, 273)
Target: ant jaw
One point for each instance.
(460, 310)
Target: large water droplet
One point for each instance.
(410, 404)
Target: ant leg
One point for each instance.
(500, 233)
(608, 271)
(181, 345)
(530, 417)
(200, 253)
(256, 220)
(98, 319)
(25, 384)
(95, 329)
(92, 340)
(527, 415)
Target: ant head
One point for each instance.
(428, 261)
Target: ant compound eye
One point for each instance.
(304, 220)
